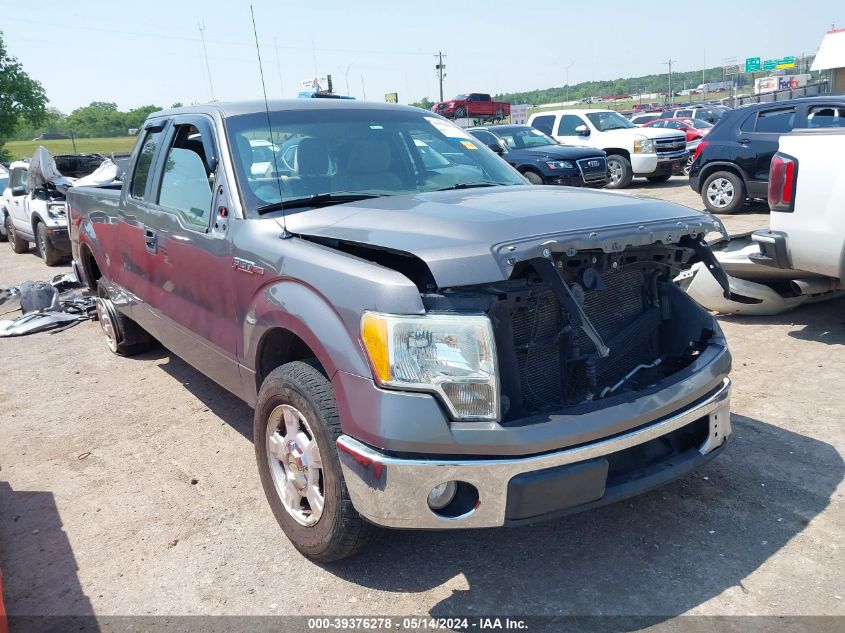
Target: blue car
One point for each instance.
(541, 159)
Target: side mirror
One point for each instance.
(496, 148)
(583, 130)
(20, 190)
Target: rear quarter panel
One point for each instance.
(816, 228)
(92, 223)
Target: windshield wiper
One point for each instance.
(317, 200)
(472, 185)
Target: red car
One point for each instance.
(695, 129)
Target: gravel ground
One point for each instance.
(128, 486)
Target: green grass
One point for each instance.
(118, 144)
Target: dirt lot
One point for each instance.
(128, 486)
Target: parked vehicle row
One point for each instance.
(428, 341)
(631, 151)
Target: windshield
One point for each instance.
(524, 136)
(699, 123)
(605, 121)
(460, 98)
(373, 152)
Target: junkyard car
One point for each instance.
(424, 348)
(34, 204)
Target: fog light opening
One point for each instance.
(453, 499)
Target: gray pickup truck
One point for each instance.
(427, 340)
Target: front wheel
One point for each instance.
(47, 251)
(18, 245)
(620, 172)
(295, 429)
(533, 177)
(723, 192)
(460, 113)
(688, 165)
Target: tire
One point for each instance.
(662, 178)
(460, 112)
(18, 245)
(123, 336)
(688, 165)
(620, 172)
(47, 251)
(296, 399)
(533, 177)
(723, 192)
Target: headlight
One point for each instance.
(451, 355)
(56, 211)
(644, 146)
(560, 164)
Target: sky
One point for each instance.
(151, 52)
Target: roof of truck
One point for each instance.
(235, 108)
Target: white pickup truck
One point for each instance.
(631, 151)
(806, 196)
(800, 258)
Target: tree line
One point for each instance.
(97, 120)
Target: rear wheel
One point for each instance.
(295, 430)
(662, 178)
(47, 251)
(723, 192)
(460, 113)
(123, 336)
(18, 245)
(620, 172)
(533, 177)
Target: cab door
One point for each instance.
(758, 146)
(186, 232)
(566, 133)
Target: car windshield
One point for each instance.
(460, 98)
(355, 151)
(605, 121)
(700, 124)
(524, 136)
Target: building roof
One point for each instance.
(831, 52)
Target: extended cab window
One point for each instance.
(143, 164)
(775, 121)
(186, 181)
(544, 123)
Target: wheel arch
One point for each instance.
(609, 151)
(711, 168)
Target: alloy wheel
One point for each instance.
(615, 170)
(107, 323)
(295, 464)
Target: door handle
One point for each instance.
(744, 141)
(150, 240)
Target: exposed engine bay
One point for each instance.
(616, 324)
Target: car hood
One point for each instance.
(563, 152)
(477, 236)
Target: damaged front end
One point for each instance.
(586, 328)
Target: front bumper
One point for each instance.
(392, 491)
(59, 238)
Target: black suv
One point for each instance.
(731, 164)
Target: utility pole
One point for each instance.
(201, 26)
(347, 78)
(671, 95)
(440, 67)
(363, 89)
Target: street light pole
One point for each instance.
(567, 78)
(671, 95)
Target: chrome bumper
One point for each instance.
(392, 491)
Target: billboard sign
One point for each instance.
(318, 84)
(391, 97)
(780, 82)
(519, 114)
